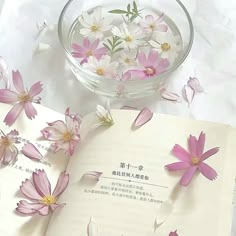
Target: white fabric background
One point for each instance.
(212, 60)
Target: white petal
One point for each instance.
(169, 95)
(154, 44)
(188, 94)
(101, 111)
(92, 229)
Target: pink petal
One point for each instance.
(162, 66)
(143, 117)
(188, 175)
(200, 144)
(95, 174)
(61, 185)
(58, 125)
(35, 89)
(9, 155)
(86, 43)
(30, 151)
(17, 81)
(100, 52)
(152, 58)
(194, 83)
(181, 153)
(142, 59)
(178, 166)
(30, 111)
(8, 96)
(188, 94)
(207, 171)
(13, 133)
(52, 134)
(138, 74)
(29, 191)
(209, 153)
(160, 18)
(162, 28)
(13, 114)
(149, 19)
(94, 45)
(42, 183)
(169, 95)
(27, 208)
(192, 144)
(78, 48)
(173, 233)
(44, 211)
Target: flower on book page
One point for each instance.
(104, 114)
(143, 117)
(193, 160)
(173, 233)
(88, 49)
(30, 151)
(64, 135)
(8, 149)
(38, 190)
(22, 99)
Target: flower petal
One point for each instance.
(44, 211)
(58, 125)
(194, 83)
(178, 166)
(192, 145)
(209, 153)
(149, 19)
(188, 175)
(95, 174)
(18, 81)
(181, 153)
(173, 233)
(138, 74)
(9, 155)
(42, 183)
(169, 95)
(52, 134)
(30, 151)
(13, 114)
(142, 59)
(188, 94)
(27, 208)
(143, 117)
(61, 185)
(207, 171)
(200, 144)
(86, 43)
(8, 96)
(35, 89)
(30, 111)
(92, 229)
(152, 57)
(28, 190)
(162, 28)
(94, 45)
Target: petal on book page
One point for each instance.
(188, 94)
(143, 117)
(92, 229)
(95, 174)
(163, 213)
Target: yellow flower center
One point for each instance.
(94, 28)
(195, 161)
(5, 142)
(127, 60)
(89, 53)
(67, 136)
(129, 39)
(100, 71)
(48, 200)
(152, 26)
(165, 47)
(24, 97)
(149, 71)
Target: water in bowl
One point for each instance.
(125, 44)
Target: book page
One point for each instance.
(11, 176)
(127, 198)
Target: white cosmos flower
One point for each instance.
(130, 34)
(128, 58)
(95, 24)
(104, 114)
(103, 67)
(167, 45)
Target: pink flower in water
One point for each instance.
(173, 233)
(65, 135)
(149, 66)
(193, 160)
(23, 99)
(39, 191)
(8, 150)
(88, 49)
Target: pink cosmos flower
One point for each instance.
(8, 150)
(149, 66)
(23, 98)
(88, 49)
(65, 135)
(39, 191)
(193, 160)
(173, 233)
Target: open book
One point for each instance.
(134, 185)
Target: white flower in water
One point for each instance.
(103, 67)
(95, 24)
(128, 58)
(167, 45)
(130, 34)
(104, 114)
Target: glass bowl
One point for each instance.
(175, 14)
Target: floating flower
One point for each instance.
(104, 114)
(194, 83)
(152, 24)
(173, 233)
(30, 151)
(149, 66)
(143, 117)
(88, 49)
(39, 191)
(130, 34)
(23, 99)
(94, 25)
(128, 58)
(193, 160)
(8, 150)
(167, 45)
(103, 67)
(65, 135)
